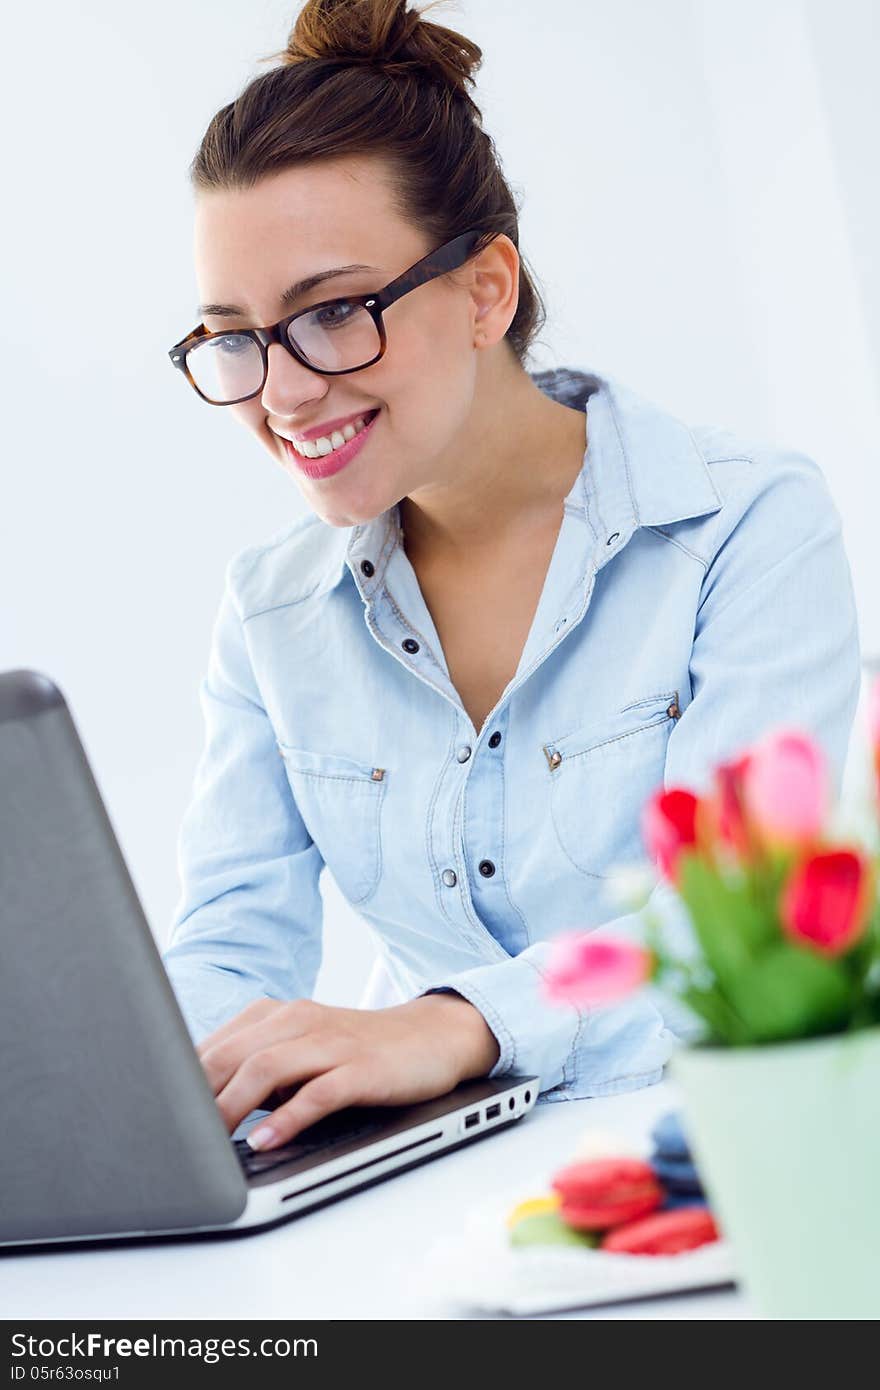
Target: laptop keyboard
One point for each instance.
(334, 1130)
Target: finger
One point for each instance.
(285, 1022)
(257, 1009)
(285, 1063)
(332, 1090)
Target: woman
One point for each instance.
(517, 604)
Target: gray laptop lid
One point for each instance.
(109, 1122)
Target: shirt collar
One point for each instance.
(642, 467)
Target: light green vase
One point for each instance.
(787, 1140)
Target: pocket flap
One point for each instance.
(345, 769)
(632, 719)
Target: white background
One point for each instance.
(699, 192)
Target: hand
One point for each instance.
(334, 1057)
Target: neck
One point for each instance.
(519, 459)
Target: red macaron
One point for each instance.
(604, 1192)
(664, 1233)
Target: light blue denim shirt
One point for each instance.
(698, 593)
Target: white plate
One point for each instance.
(480, 1271)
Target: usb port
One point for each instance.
(471, 1120)
(493, 1111)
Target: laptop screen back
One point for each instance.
(110, 1124)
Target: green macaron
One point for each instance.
(547, 1228)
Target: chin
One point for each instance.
(342, 516)
(349, 510)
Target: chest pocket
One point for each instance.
(340, 801)
(601, 775)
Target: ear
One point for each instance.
(494, 290)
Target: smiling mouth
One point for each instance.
(330, 462)
(328, 443)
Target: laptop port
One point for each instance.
(493, 1111)
(471, 1120)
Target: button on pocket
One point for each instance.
(601, 776)
(340, 800)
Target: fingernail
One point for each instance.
(262, 1137)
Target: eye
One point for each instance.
(232, 344)
(335, 314)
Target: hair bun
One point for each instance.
(383, 34)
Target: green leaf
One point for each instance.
(790, 993)
(733, 926)
(724, 1023)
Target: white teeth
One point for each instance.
(319, 448)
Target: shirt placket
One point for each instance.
(466, 815)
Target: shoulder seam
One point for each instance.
(243, 562)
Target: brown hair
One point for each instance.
(372, 77)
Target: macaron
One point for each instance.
(604, 1192)
(674, 1201)
(531, 1206)
(677, 1175)
(669, 1138)
(663, 1233)
(548, 1228)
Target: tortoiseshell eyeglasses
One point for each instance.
(333, 337)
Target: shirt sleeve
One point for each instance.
(775, 642)
(248, 921)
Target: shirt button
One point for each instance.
(449, 878)
(409, 644)
(495, 740)
(487, 868)
(463, 754)
(367, 568)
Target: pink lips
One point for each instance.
(326, 466)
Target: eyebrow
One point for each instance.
(291, 294)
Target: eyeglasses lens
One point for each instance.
(337, 337)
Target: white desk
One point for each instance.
(359, 1258)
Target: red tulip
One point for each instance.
(586, 969)
(730, 817)
(827, 900)
(669, 826)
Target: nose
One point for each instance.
(289, 385)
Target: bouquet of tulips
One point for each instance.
(784, 910)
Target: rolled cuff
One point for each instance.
(577, 1052)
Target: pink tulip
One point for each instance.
(827, 900)
(669, 827)
(785, 788)
(586, 969)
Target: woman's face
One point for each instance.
(250, 245)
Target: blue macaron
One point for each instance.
(673, 1201)
(669, 1138)
(677, 1174)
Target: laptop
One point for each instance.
(113, 1133)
